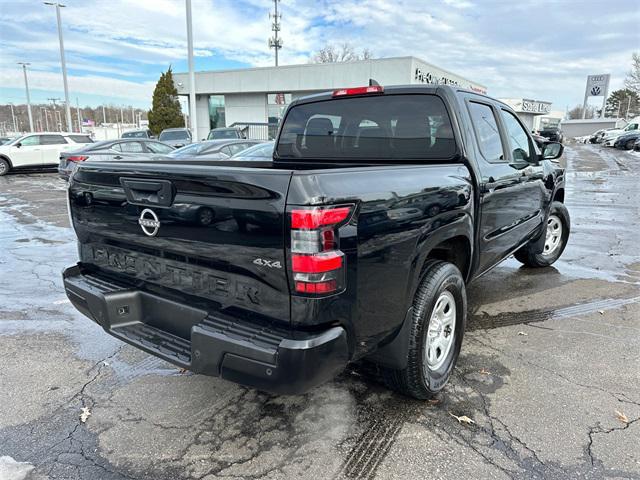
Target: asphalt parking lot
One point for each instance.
(549, 374)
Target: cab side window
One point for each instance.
(486, 128)
(517, 136)
(52, 140)
(30, 141)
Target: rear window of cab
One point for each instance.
(375, 127)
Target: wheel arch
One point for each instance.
(558, 196)
(4, 157)
(456, 250)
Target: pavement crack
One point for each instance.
(597, 430)
(521, 359)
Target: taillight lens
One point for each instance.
(77, 158)
(345, 92)
(317, 264)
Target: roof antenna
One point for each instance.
(373, 83)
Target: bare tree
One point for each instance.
(345, 52)
(632, 82)
(576, 112)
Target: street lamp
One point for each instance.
(63, 62)
(46, 118)
(26, 86)
(13, 117)
(192, 76)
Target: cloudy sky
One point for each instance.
(116, 49)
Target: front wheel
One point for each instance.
(557, 236)
(438, 322)
(4, 167)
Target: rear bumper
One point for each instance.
(263, 356)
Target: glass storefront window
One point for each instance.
(216, 111)
(276, 105)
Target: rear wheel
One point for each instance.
(205, 216)
(557, 235)
(439, 316)
(4, 167)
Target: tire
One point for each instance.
(4, 167)
(424, 375)
(629, 145)
(555, 242)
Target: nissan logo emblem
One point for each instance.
(149, 222)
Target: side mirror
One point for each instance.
(18, 145)
(552, 150)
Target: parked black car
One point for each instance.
(627, 141)
(213, 149)
(110, 150)
(225, 133)
(380, 205)
(554, 134)
(142, 133)
(176, 137)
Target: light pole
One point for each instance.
(104, 116)
(46, 118)
(63, 62)
(79, 116)
(59, 117)
(26, 86)
(192, 76)
(13, 117)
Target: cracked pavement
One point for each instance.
(550, 362)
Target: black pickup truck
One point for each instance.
(354, 243)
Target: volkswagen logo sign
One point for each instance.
(149, 222)
(595, 91)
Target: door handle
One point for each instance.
(148, 192)
(117, 157)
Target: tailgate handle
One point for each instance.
(148, 192)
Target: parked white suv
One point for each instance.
(611, 136)
(37, 150)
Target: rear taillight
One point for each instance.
(77, 158)
(345, 92)
(317, 264)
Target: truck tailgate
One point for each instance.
(214, 233)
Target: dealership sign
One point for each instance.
(535, 106)
(427, 76)
(597, 85)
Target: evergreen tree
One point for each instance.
(620, 100)
(165, 109)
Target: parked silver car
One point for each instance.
(176, 137)
(213, 149)
(111, 150)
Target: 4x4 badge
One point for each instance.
(149, 222)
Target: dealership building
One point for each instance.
(260, 95)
